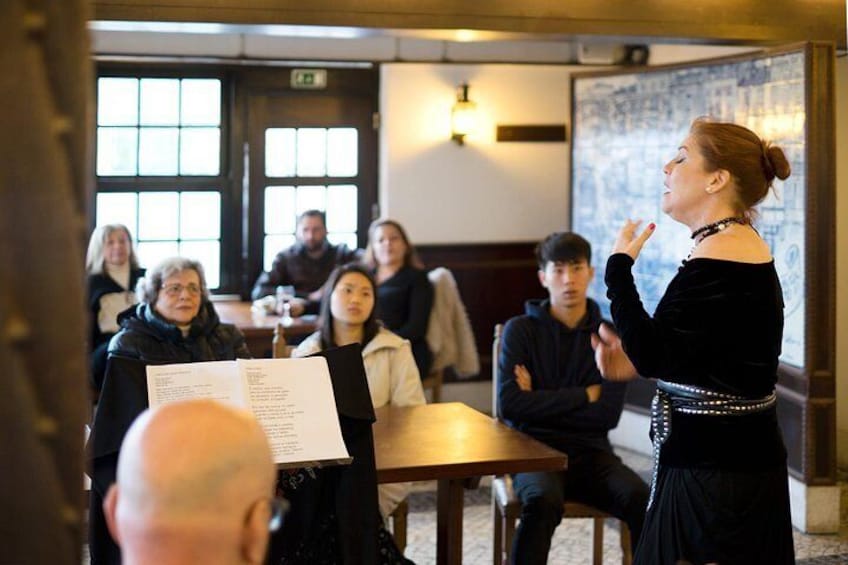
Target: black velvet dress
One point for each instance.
(722, 493)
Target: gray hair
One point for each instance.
(94, 262)
(148, 288)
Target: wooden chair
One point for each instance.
(506, 508)
(433, 383)
(281, 350)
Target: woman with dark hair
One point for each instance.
(719, 492)
(404, 294)
(113, 273)
(174, 323)
(347, 316)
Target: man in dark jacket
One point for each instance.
(306, 265)
(550, 388)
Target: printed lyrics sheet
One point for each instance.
(291, 398)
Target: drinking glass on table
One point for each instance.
(285, 294)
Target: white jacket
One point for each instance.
(392, 379)
(449, 333)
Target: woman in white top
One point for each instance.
(113, 273)
(347, 316)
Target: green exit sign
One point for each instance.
(309, 78)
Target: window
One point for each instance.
(171, 223)
(302, 153)
(159, 167)
(215, 163)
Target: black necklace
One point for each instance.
(715, 227)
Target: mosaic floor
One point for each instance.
(572, 540)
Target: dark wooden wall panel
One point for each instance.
(790, 415)
(494, 280)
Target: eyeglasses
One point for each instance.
(176, 289)
(279, 507)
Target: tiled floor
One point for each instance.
(572, 541)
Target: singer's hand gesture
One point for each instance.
(612, 361)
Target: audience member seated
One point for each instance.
(194, 485)
(347, 316)
(306, 264)
(551, 389)
(113, 272)
(404, 294)
(174, 323)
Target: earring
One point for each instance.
(709, 190)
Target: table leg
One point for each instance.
(449, 522)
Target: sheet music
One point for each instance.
(214, 380)
(292, 399)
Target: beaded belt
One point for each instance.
(687, 399)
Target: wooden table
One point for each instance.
(452, 443)
(258, 328)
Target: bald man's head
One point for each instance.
(195, 475)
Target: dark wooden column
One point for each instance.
(44, 85)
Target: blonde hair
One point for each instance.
(94, 260)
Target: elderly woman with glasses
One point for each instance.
(174, 322)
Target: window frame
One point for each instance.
(221, 183)
(241, 259)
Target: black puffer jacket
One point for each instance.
(145, 335)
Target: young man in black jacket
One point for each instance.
(550, 388)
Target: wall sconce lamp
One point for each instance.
(463, 115)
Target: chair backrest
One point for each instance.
(279, 348)
(496, 354)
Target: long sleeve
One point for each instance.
(268, 281)
(539, 406)
(719, 324)
(681, 330)
(630, 316)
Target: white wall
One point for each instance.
(665, 54)
(483, 191)
(842, 261)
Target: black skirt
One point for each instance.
(716, 516)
